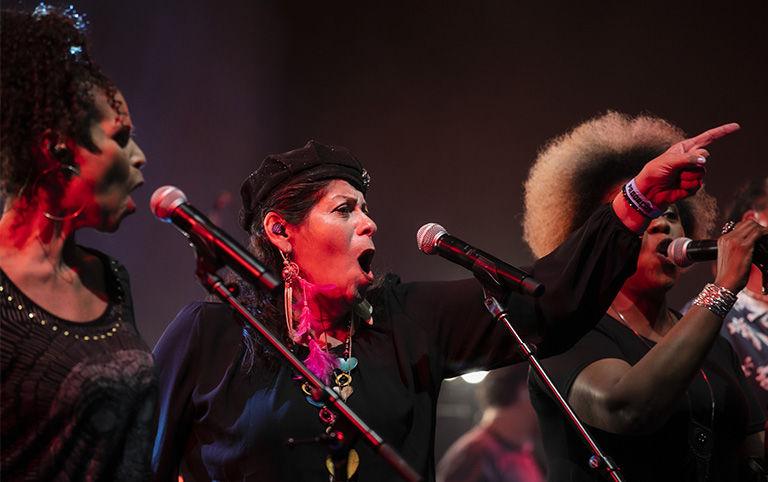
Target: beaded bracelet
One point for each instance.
(639, 202)
(716, 299)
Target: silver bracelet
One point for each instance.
(716, 299)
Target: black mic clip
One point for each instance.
(486, 271)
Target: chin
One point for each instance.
(112, 223)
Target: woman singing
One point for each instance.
(228, 403)
(78, 389)
(662, 393)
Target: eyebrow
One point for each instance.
(348, 198)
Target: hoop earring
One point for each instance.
(57, 176)
(290, 272)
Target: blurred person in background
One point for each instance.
(502, 446)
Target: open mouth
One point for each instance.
(663, 246)
(365, 260)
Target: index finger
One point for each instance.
(707, 137)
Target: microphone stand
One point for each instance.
(492, 290)
(336, 441)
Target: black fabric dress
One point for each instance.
(663, 455)
(77, 398)
(224, 424)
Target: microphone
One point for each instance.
(169, 204)
(434, 239)
(684, 251)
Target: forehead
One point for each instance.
(107, 113)
(339, 188)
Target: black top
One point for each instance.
(77, 398)
(660, 456)
(229, 425)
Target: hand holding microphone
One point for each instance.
(735, 252)
(685, 251)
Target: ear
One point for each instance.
(276, 229)
(56, 148)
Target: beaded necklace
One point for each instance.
(82, 332)
(701, 439)
(342, 376)
(321, 363)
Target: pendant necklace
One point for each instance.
(342, 376)
(701, 439)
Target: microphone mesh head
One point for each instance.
(677, 251)
(165, 200)
(427, 236)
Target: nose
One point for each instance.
(138, 159)
(367, 226)
(659, 225)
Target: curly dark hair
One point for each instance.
(48, 80)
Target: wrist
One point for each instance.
(717, 299)
(632, 219)
(638, 201)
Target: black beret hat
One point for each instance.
(313, 162)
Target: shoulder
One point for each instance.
(204, 315)
(106, 260)
(393, 289)
(606, 340)
(199, 321)
(427, 303)
(112, 268)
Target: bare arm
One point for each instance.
(620, 398)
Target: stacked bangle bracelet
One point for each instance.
(716, 299)
(639, 202)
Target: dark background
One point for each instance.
(445, 103)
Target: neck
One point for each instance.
(647, 315)
(29, 239)
(326, 326)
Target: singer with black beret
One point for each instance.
(662, 394)
(228, 403)
(78, 384)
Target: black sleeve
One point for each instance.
(178, 354)
(581, 279)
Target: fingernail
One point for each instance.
(701, 160)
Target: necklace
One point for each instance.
(342, 376)
(343, 387)
(27, 309)
(701, 438)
